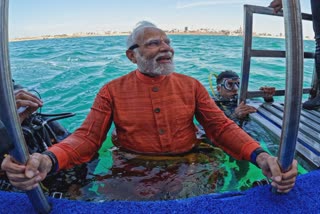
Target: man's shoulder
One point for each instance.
(184, 78)
(118, 81)
(122, 78)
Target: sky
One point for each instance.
(51, 17)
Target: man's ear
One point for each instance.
(131, 56)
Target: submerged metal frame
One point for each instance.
(8, 112)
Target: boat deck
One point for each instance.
(270, 117)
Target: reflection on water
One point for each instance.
(140, 177)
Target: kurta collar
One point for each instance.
(150, 80)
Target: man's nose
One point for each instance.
(235, 87)
(165, 46)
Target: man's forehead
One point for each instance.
(231, 78)
(152, 33)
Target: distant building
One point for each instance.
(186, 29)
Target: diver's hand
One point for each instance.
(268, 93)
(27, 100)
(283, 182)
(27, 177)
(243, 110)
(276, 5)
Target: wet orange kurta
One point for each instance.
(155, 116)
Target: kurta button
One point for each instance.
(157, 110)
(161, 131)
(155, 89)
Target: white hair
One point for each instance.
(132, 38)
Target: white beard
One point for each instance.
(152, 67)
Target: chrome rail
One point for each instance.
(8, 112)
(294, 79)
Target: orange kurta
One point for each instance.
(155, 116)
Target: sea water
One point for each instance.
(68, 73)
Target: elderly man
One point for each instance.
(152, 108)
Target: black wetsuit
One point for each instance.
(228, 107)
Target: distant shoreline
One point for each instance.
(63, 36)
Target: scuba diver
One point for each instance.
(40, 131)
(26, 104)
(226, 98)
(228, 83)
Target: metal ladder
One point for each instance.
(298, 129)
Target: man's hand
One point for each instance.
(268, 93)
(27, 177)
(27, 100)
(276, 5)
(243, 110)
(283, 182)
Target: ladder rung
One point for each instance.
(274, 53)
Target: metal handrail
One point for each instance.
(294, 79)
(8, 112)
(294, 71)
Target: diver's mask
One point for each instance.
(231, 83)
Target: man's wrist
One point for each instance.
(54, 161)
(268, 99)
(254, 155)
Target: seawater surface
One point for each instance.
(68, 73)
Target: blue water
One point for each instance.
(69, 72)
